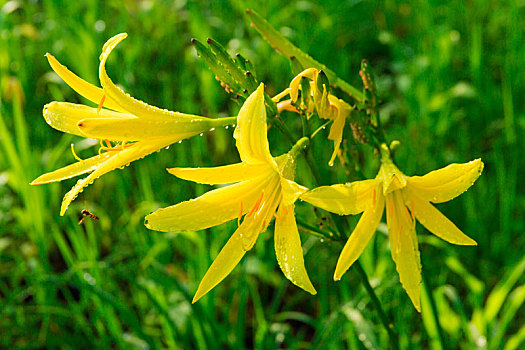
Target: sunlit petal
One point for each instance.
(224, 263)
(363, 232)
(403, 246)
(82, 87)
(447, 183)
(348, 199)
(72, 170)
(135, 129)
(139, 108)
(250, 133)
(64, 116)
(117, 160)
(211, 209)
(291, 191)
(309, 73)
(434, 221)
(288, 249)
(221, 174)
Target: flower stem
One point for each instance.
(389, 327)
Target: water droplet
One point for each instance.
(227, 126)
(201, 134)
(180, 141)
(167, 147)
(212, 129)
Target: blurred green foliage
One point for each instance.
(451, 80)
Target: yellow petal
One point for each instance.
(363, 232)
(82, 87)
(434, 221)
(291, 191)
(221, 174)
(228, 258)
(348, 199)
(447, 183)
(138, 108)
(250, 133)
(72, 170)
(211, 209)
(117, 160)
(403, 246)
(263, 212)
(309, 73)
(65, 116)
(135, 129)
(288, 249)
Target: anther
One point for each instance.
(256, 206)
(391, 208)
(101, 103)
(240, 215)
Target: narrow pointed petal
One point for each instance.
(72, 170)
(403, 246)
(447, 183)
(436, 222)
(224, 263)
(82, 87)
(126, 102)
(221, 174)
(117, 160)
(288, 249)
(309, 73)
(348, 199)
(291, 191)
(250, 133)
(363, 232)
(211, 209)
(64, 116)
(136, 129)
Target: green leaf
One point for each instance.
(287, 49)
(498, 295)
(215, 65)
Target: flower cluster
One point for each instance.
(261, 187)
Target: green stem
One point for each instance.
(392, 335)
(223, 121)
(300, 145)
(434, 310)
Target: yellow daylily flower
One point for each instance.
(327, 106)
(263, 188)
(137, 128)
(406, 199)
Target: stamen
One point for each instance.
(108, 144)
(408, 214)
(74, 154)
(101, 103)
(240, 215)
(400, 229)
(256, 206)
(285, 210)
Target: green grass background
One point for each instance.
(451, 79)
